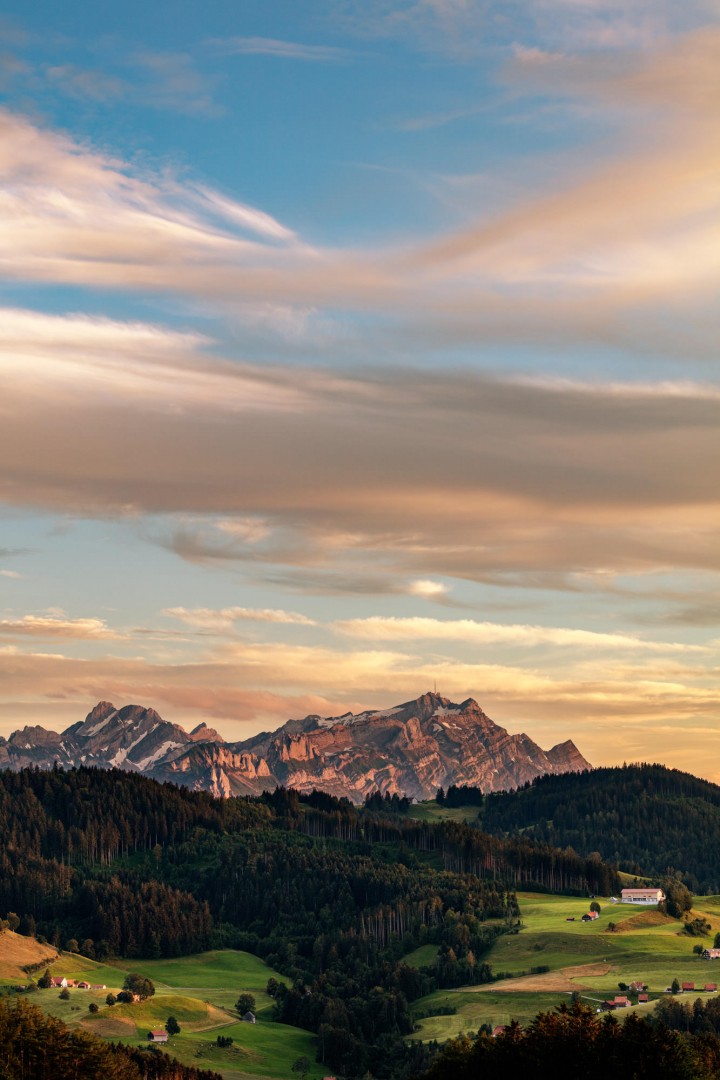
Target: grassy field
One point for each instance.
(16, 951)
(423, 956)
(200, 992)
(586, 957)
(432, 811)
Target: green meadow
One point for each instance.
(550, 957)
(423, 956)
(200, 992)
(432, 811)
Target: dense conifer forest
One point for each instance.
(332, 895)
(644, 818)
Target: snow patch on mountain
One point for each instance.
(161, 751)
(98, 727)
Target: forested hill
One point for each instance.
(34, 1047)
(644, 818)
(333, 896)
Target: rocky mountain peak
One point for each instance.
(413, 749)
(424, 706)
(203, 733)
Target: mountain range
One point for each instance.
(413, 749)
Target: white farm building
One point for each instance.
(642, 896)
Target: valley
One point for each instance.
(541, 966)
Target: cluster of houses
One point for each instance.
(622, 1001)
(61, 983)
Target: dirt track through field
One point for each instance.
(568, 979)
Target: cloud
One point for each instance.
(382, 628)
(86, 83)
(47, 627)
(428, 590)
(617, 251)
(10, 574)
(464, 30)
(284, 50)
(223, 619)
(417, 474)
(175, 83)
(79, 216)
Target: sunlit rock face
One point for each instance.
(413, 749)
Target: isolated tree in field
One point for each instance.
(110, 999)
(675, 986)
(71, 945)
(45, 980)
(301, 1066)
(93, 1007)
(64, 994)
(594, 906)
(245, 1003)
(138, 984)
(171, 1026)
(678, 898)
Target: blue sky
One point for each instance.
(349, 347)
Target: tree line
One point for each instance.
(574, 1041)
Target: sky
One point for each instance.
(350, 348)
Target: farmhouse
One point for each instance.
(83, 985)
(643, 999)
(158, 1036)
(710, 988)
(711, 954)
(56, 982)
(248, 1017)
(687, 986)
(621, 1001)
(642, 896)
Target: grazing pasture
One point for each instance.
(550, 957)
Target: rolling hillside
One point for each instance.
(646, 819)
